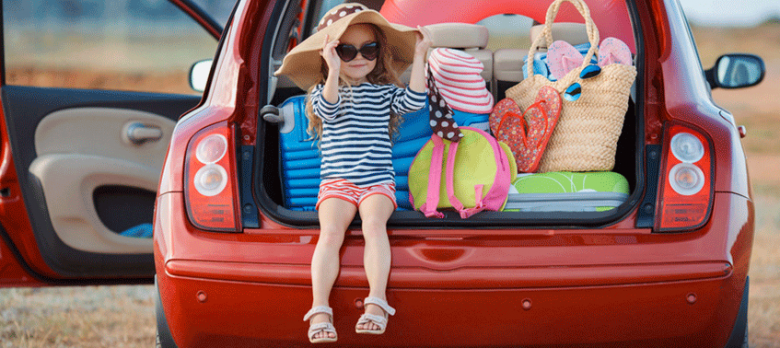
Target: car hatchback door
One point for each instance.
(91, 91)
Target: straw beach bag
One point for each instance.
(594, 106)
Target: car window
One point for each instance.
(217, 9)
(327, 5)
(690, 35)
(128, 45)
(508, 31)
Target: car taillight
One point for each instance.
(209, 190)
(686, 180)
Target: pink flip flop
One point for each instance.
(614, 51)
(562, 58)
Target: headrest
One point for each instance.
(573, 33)
(458, 35)
(472, 38)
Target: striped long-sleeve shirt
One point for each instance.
(355, 141)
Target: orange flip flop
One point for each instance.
(527, 133)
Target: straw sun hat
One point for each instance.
(302, 64)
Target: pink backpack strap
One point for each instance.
(494, 198)
(464, 213)
(434, 179)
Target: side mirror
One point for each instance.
(199, 74)
(736, 70)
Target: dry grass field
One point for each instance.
(757, 108)
(89, 317)
(123, 316)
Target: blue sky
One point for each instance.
(730, 12)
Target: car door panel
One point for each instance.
(71, 150)
(72, 170)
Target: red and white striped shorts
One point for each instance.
(347, 191)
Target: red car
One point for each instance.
(665, 268)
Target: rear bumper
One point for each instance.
(457, 279)
(209, 312)
(658, 296)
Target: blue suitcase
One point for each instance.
(300, 157)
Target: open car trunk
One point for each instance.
(272, 193)
(627, 163)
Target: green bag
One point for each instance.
(477, 177)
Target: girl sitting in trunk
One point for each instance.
(355, 103)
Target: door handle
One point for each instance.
(138, 133)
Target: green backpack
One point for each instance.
(477, 177)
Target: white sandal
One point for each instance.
(326, 327)
(371, 318)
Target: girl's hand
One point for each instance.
(331, 57)
(423, 42)
(417, 79)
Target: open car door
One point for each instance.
(90, 94)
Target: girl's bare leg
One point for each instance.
(335, 215)
(375, 210)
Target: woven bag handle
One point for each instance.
(552, 12)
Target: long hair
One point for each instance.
(381, 75)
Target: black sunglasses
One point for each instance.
(347, 53)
